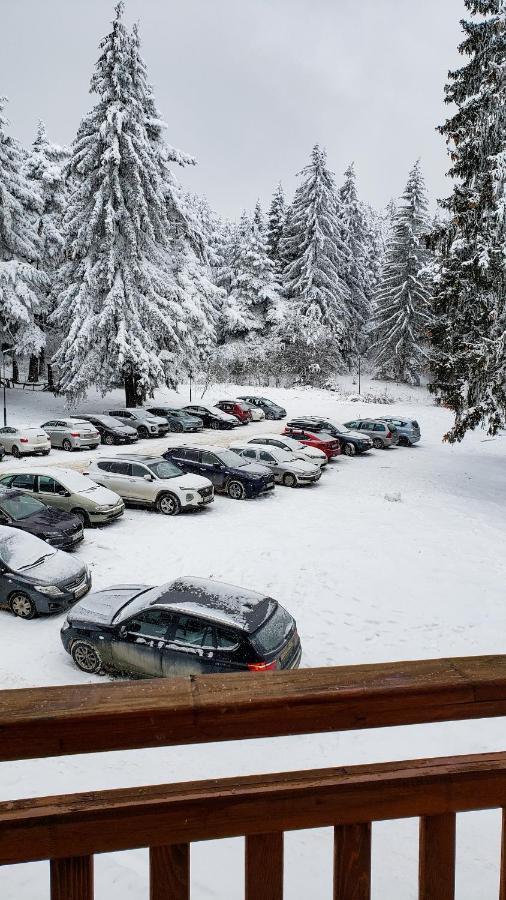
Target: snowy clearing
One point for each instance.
(395, 555)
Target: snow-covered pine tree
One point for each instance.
(355, 236)
(399, 328)
(119, 304)
(252, 305)
(468, 328)
(314, 278)
(190, 257)
(275, 225)
(21, 283)
(44, 167)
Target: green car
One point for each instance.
(70, 491)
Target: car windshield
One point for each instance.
(20, 506)
(274, 632)
(230, 458)
(108, 420)
(23, 551)
(343, 428)
(164, 469)
(217, 410)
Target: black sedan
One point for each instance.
(111, 430)
(19, 510)
(272, 410)
(230, 473)
(352, 442)
(191, 626)
(212, 417)
(178, 419)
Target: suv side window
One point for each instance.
(7, 480)
(266, 456)
(191, 455)
(193, 633)
(153, 623)
(118, 414)
(24, 482)
(120, 468)
(138, 471)
(379, 427)
(225, 641)
(250, 454)
(104, 466)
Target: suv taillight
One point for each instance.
(23, 440)
(389, 434)
(75, 434)
(262, 666)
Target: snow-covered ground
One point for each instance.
(367, 580)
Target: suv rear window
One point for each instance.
(274, 632)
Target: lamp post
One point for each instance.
(4, 351)
(359, 370)
(190, 376)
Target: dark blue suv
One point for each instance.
(230, 473)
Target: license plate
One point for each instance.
(76, 537)
(80, 591)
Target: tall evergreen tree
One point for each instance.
(314, 278)
(468, 329)
(402, 300)
(120, 299)
(355, 236)
(251, 307)
(44, 167)
(275, 225)
(21, 283)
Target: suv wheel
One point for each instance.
(236, 490)
(176, 426)
(290, 481)
(109, 439)
(86, 657)
(168, 504)
(350, 450)
(377, 444)
(142, 431)
(214, 424)
(404, 441)
(67, 445)
(22, 606)
(15, 452)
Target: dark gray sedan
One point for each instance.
(36, 578)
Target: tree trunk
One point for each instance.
(33, 368)
(42, 363)
(50, 379)
(130, 389)
(15, 369)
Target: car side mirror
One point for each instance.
(123, 631)
(147, 477)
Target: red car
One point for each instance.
(323, 441)
(237, 409)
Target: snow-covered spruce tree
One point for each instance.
(355, 235)
(468, 328)
(399, 328)
(44, 167)
(275, 224)
(314, 277)
(190, 256)
(22, 284)
(252, 303)
(118, 305)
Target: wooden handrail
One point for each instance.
(56, 721)
(83, 824)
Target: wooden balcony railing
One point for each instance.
(69, 829)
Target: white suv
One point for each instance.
(152, 481)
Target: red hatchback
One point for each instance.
(237, 409)
(321, 440)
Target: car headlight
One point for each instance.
(50, 589)
(51, 534)
(105, 508)
(65, 626)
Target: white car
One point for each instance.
(21, 440)
(152, 481)
(257, 414)
(301, 451)
(286, 468)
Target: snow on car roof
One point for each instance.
(217, 601)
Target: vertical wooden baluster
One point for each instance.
(352, 862)
(502, 879)
(437, 858)
(169, 872)
(264, 866)
(72, 878)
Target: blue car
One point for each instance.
(408, 429)
(230, 473)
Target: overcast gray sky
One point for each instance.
(248, 86)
